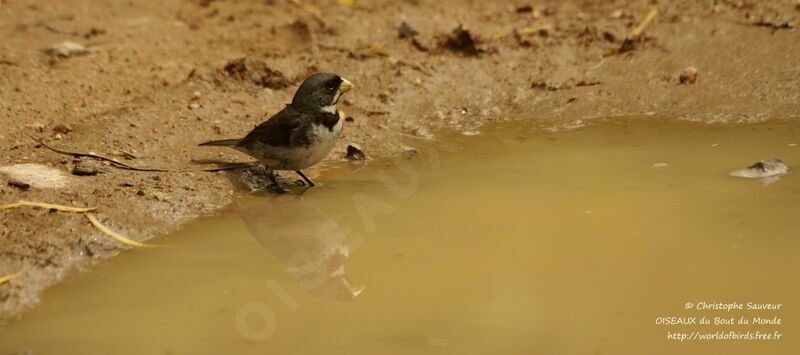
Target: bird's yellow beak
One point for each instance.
(345, 86)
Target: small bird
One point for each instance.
(301, 134)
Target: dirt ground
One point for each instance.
(162, 76)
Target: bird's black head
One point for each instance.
(320, 92)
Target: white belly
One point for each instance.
(280, 158)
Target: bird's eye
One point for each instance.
(331, 86)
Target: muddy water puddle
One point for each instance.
(511, 242)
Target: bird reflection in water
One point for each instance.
(309, 242)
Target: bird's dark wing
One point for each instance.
(284, 129)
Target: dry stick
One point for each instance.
(121, 165)
(95, 156)
(61, 208)
(4, 279)
(629, 42)
(118, 237)
(646, 22)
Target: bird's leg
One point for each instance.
(310, 183)
(275, 184)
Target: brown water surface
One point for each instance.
(510, 242)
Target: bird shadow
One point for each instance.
(253, 177)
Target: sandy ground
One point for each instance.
(162, 76)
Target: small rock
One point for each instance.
(94, 31)
(461, 40)
(194, 106)
(762, 169)
(66, 49)
(524, 9)
(410, 150)
(19, 184)
(58, 136)
(407, 30)
(89, 168)
(422, 132)
(37, 126)
(126, 183)
(63, 129)
(195, 96)
(354, 152)
(140, 192)
(688, 75)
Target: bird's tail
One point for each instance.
(221, 143)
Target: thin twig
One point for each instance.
(118, 237)
(6, 278)
(51, 206)
(117, 163)
(646, 22)
(629, 43)
(121, 165)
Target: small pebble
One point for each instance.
(196, 96)
(410, 150)
(688, 76)
(37, 126)
(762, 169)
(660, 165)
(89, 168)
(66, 49)
(354, 152)
(407, 30)
(63, 129)
(19, 184)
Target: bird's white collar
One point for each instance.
(332, 107)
